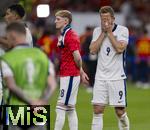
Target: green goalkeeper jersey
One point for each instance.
(30, 71)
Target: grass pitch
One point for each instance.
(138, 110)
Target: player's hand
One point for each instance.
(84, 77)
(108, 26)
(103, 26)
(39, 102)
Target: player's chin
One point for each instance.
(58, 27)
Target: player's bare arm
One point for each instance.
(78, 61)
(95, 46)
(10, 83)
(50, 88)
(119, 46)
(47, 93)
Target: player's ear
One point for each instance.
(15, 15)
(113, 18)
(66, 20)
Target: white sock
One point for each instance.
(73, 120)
(60, 119)
(97, 123)
(123, 122)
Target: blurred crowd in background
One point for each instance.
(137, 19)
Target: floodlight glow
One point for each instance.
(43, 10)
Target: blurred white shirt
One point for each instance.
(29, 37)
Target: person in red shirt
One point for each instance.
(70, 71)
(143, 59)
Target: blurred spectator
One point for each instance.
(48, 43)
(130, 58)
(45, 42)
(89, 61)
(116, 5)
(143, 58)
(105, 2)
(34, 34)
(40, 27)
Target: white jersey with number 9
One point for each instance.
(111, 64)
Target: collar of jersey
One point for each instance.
(114, 28)
(22, 45)
(65, 29)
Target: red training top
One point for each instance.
(67, 64)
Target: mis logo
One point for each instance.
(26, 116)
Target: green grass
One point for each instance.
(138, 110)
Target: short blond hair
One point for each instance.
(107, 9)
(64, 14)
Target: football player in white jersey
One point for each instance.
(14, 13)
(109, 41)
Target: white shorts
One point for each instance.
(68, 90)
(109, 93)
